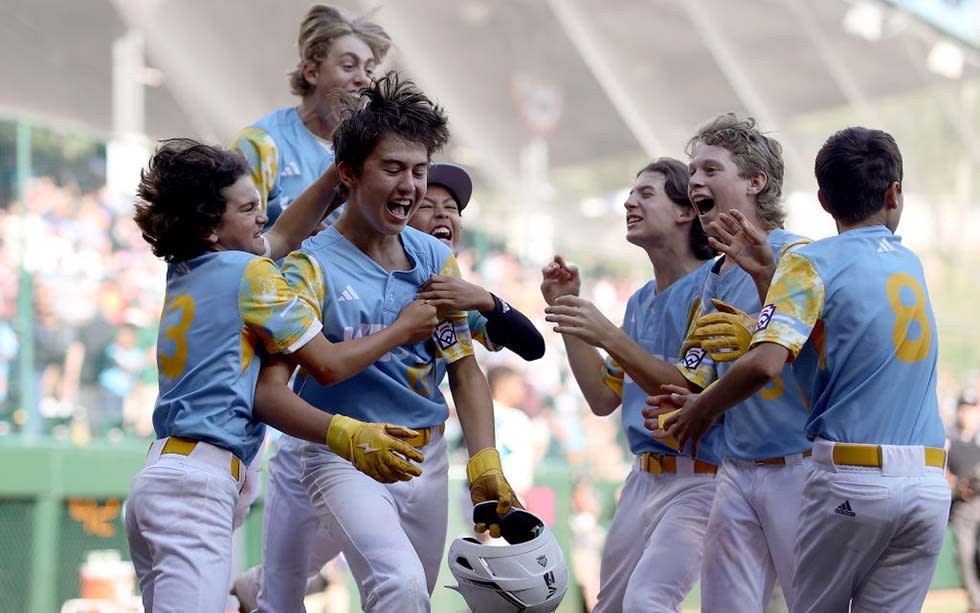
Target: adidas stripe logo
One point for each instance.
(885, 246)
(845, 509)
(348, 294)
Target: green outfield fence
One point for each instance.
(61, 502)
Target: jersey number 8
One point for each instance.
(909, 349)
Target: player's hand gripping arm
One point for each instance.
(747, 246)
(506, 326)
(748, 375)
(561, 281)
(475, 408)
(302, 217)
(376, 449)
(330, 363)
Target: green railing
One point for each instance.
(59, 502)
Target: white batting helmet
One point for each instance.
(527, 575)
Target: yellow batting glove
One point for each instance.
(375, 449)
(661, 419)
(725, 335)
(487, 482)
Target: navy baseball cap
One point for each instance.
(455, 179)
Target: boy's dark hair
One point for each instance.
(389, 106)
(854, 168)
(179, 196)
(676, 178)
(752, 151)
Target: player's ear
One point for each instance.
(310, 72)
(893, 196)
(757, 183)
(684, 214)
(346, 173)
(823, 201)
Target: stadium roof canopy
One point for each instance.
(605, 83)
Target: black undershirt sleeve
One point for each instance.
(508, 327)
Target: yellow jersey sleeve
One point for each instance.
(263, 157)
(305, 279)
(452, 335)
(613, 376)
(273, 313)
(695, 364)
(794, 303)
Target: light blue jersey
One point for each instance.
(854, 311)
(770, 423)
(355, 297)
(285, 157)
(658, 323)
(218, 308)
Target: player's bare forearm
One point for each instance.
(647, 371)
(276, 405)
(303, 215)
(762, 280)
(748, 375)
(586, 365)
(330, 363)
(474, 404)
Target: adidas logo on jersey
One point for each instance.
(291, 170)
(348, 294)
(885, 246)
(845, 509)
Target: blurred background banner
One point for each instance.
(554, 105)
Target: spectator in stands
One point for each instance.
(963, 473)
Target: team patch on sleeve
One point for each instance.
(765, 316)
(445, 335)
(694, 357)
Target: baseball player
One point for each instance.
(288, 148)
(652, 554)
(853, 315)
(200, 212)
(752, 527)
(356, 273)
(291, 556)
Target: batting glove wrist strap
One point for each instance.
(341, 433)
(484, 461)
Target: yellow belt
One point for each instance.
(870, 455)
(184, 446)
(424, 435)
(658, 463)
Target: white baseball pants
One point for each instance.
(179, 525)
(652, 555)
(751, 534)
(294, 544)
(869, 537)
(393, 536)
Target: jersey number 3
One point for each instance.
(172, 365)
(909, 317)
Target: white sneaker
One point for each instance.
(245, 588)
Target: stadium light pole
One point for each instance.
(25, 414)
